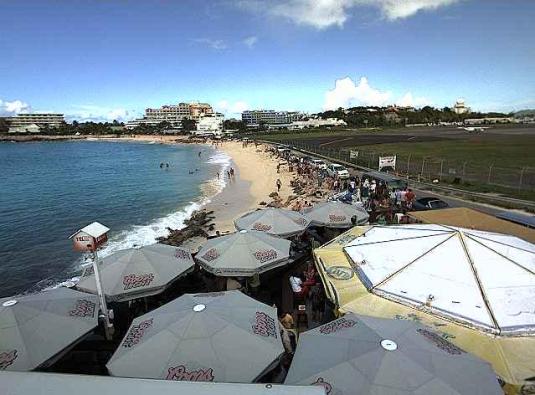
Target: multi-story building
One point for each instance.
(460, 108)
(37, 119)
(32, 123)
(269, 117)
(174, 114)
(210, 124)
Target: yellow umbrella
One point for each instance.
(512, 357)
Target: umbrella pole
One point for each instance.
(108, 326)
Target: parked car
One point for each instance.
(319, 164)
(429, 203)
(337, 171)
(391, 182)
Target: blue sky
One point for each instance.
(112, 59)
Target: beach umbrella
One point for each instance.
(335, 214)
(368, 355)
(139, 272)
(222, 336)
(36, 328)
(26, 383)
(275, 221)
(243, 253)
(474, 287)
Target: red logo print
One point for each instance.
(83, 308)
(265, 255)
(210, 255)
(440, 342)
(261, 227)
(300, 221)
(181, 254)
(136, 333)
(264, 325)
(337, 325)
(180, 373)
(7, 358)
(137, 280)
(326, 386)
(337, 218)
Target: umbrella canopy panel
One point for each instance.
(221, 337)
(336, 214)
(388, 357)
(275, 221)
(486, 280)
(243, 253)
(37, 327)
(139, 272)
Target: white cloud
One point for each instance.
(86, 113)
(232, 109)
(347, 93)
(10, 108)
(250, 42)
(408, 100)
(218, 45)
(322, 14)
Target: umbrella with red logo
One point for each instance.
(220, 337)
(275, 221)
(365, 355)
(37, 329)
(335, 214)
(243, 253)
(139, 272)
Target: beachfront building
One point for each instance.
(33, 122)
(210, 124)
(173, 114)
(488, 120)
(460, 107)
(317, 123)
(269, 117)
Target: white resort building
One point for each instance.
(33, 122)
(174, 114)
(210, 124)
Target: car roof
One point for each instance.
(381, 176)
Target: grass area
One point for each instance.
(312, 134)
(501, 151)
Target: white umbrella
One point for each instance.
(335, 214)
(243, 253)
(139, 272)
(222, 336)
(275, 221)
(36, 328)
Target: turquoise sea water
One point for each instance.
(48, 190)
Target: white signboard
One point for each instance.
(353, 154)
(387, 162)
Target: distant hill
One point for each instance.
(525, 113)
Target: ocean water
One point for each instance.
(48, 190)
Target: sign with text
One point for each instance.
(387, 162)
(353, 154)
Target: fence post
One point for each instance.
(441, 167)
(490, 172)
(423, 167)
(408, 165)
(464, 169)
(521, 176)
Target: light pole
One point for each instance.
(89, 239)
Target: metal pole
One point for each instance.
(408, 165)
(521, 176)
(464, 168)
(108, 326)
(490, 172)
(441, 167)
(423, 165)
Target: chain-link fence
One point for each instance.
(429, 168)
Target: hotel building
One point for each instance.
(174, 114)
(23, 123)
(269, 117)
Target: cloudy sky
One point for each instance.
(111, 59)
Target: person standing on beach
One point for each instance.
(279, 184)
(232, 172)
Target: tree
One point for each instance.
(4, 126)
(189, 125)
